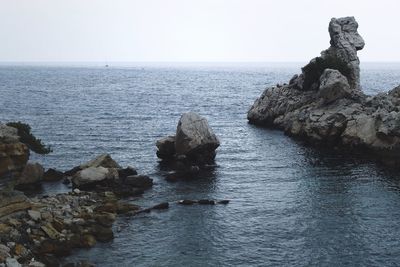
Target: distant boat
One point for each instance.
(106, 66)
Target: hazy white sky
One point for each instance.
(189, 30)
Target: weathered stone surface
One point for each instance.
(141, 181)
(333, 86)
(103, 160)
(166, 147)
(13, 202)
(341, 55)
(194, 136)
(325, 104)
(93, 175)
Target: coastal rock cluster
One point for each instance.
(325, 104)
(45, 228)
(192, 147)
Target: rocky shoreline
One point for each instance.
(325, 104)
(41, 230)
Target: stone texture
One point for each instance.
(194, 135)
(166, 147)
(93, 175)
(333, 86)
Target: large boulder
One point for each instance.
(333, 86)
(13, 154)
(92, 176)
(195, 138)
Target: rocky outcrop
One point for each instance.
(325, 104)
(13, 154)
(105, 174)
(194, 141)
(341, 55)
(190, 149)
(47, 228)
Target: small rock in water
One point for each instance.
(206, 202)
(187, 202)
(223, 202)
(161, 206)
(77, 191)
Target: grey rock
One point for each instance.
(166, 147)
(93, 175)
(195, 137)
(103, 160)
(325, 103)
(141, 181)
(333, 85)
(12, 262)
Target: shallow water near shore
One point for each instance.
(290, 204)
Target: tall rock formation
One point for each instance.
(325, 104)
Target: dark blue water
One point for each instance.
(291, 205)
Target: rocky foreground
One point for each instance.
(39, 231)
(325, 103)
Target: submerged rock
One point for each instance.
(325, 104)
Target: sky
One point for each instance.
(189, 30)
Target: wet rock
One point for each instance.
(166, 147)
(88, 241)
(141, 181)
(128, 171)
(187, 202)
(52, 175)
(206, 202)
(223, 202)
(161, 206)
(102, 234)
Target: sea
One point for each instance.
(291, 204)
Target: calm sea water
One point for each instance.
(291, 205)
